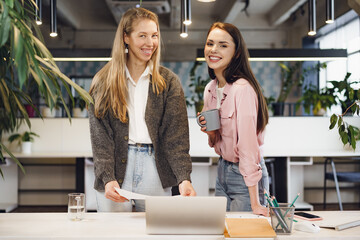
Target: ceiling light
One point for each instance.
(206, 0)
(183, 31)
(312, 17)
(329, 11)
(183, 27)
(38, 12)
(186, 11)
(53, 24)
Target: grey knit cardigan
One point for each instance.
(167, 122)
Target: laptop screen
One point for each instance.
(185, 215)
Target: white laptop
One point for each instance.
(185, 215)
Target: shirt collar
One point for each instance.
(147, 71)
(212, 89)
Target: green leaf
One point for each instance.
(344, 137)
(12, 157)
(14, 137)
(340, 121)
(333, 121)
(351, 94)
(10, 3)
(5, 24)
(4, 91)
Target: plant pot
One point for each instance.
(278, 108)
(78, 113)
(30, 111)
(320, 112)
(48, 113)
(26, 147)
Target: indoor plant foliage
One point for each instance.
(350, 101)
(292, 75)
(197, 86)
(316, 100)
(24, 56)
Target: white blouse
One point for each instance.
(136, 106)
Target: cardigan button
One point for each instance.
(123, 160)
(126, 138)
(120, 180)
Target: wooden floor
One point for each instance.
(317, 207)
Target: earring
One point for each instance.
(126, 48)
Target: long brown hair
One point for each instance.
(109, 88)
(239, 67)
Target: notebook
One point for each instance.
(185, 215)
(249, 228)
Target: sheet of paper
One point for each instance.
(243, 215)
(130, 195)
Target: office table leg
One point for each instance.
(80, 168)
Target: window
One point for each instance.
(345, 34)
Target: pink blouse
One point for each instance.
(237, 140)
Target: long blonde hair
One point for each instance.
(109, 88)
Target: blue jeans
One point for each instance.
(230, 184)
(141, 176)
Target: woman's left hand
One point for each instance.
(186, 189)
(260, 210)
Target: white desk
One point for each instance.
(107, 226)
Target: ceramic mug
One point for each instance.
(212, 119)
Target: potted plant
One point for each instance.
(24, 140)
(51, 112)
(316, 100)
(349, 98)
(292, 75)
(24, 56)
(197, 86)
(79, 111)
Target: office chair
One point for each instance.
(337, 177)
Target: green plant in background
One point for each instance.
(349, 99)
(24, 137)
(269, 102)
(317, 99)
(197, 86)
(79, 102)
(24, 56)
(294, 75)
(344, 93)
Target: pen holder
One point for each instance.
(282, 218)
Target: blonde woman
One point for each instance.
(138, 123)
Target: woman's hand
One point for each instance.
(203, 129)
(186, 189)
(260, 210)
(110, 192)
